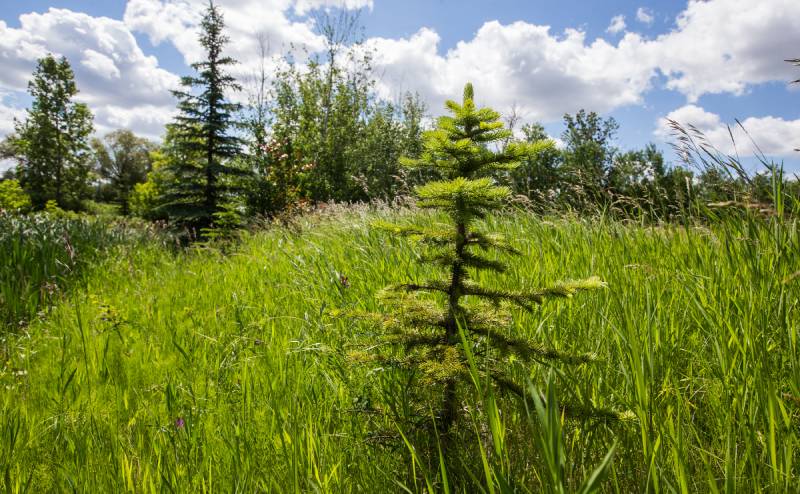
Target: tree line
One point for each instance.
(309, 135)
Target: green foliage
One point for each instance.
(460, 150)
(203, 144)
(345, 142)
(12, 197)
(278, 174)
(590, 175)
(640, 185)
(43, 253)
(51, 145)
(102, 209)
(146, 197)
(537, 176)
(588, 155)
(122, 159)
(227, 223)
(726, 184)
(52, 209)
(550, 441)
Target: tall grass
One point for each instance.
(203, 372)
(41, 254)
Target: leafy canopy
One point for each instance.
(123, 160)
(51, 144)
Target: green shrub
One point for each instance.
(12, 197)
(144, 199)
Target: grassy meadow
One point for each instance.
(43, 254)
(204, 370)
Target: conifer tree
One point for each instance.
(203, 128)
(51, 144)
(460, 149)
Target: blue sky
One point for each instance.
(705, 63)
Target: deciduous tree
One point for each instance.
(51, 145)
(123, 159)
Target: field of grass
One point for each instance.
(43, 254)
(199, 371)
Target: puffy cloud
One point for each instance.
(98, 47)
(146, 120)
(617, 24)
(7, 116)
(101, 64)
(716, 46)
(644, 15)
(723, 46)
(519, 64)
(110, 68)
(774, 136)
(246, 21)
(304, 6)
(19, 49)
(123, 86)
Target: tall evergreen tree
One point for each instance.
(460, 148)
(51, 145)
(204, 128)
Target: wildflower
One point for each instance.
(344, 281)
(179, 423)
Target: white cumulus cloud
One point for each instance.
(110, 68)
(644, 15)
(520, 64)
(100, 64)
(7, 116)
(775, 137)
(617, 24)
(176, 21)
(716, 46)
(724, 46)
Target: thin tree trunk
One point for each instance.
(450, 399)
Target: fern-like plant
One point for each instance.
(464, 148)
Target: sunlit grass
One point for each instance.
(198, 371)
(41, 255)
